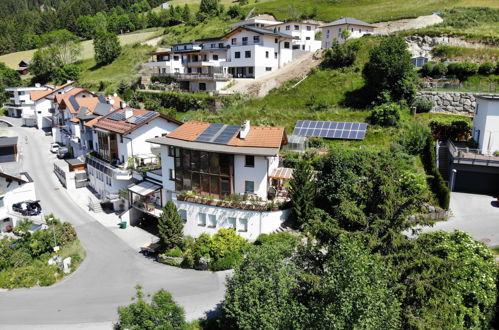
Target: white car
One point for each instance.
(54, 147)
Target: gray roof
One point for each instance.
(8, 141)
(210, 147)
(267, 32)
(103, 109)
(348, 20)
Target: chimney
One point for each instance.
(115, 94)
(110, 101)
(245, 128)
(37, 85)
(128, 113)
(122, 104)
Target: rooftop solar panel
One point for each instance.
(75, 104)
(226, 134)
(117, 116)
(331, 129)
(209, 133)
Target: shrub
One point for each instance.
(387, 114)
(227, 262)
(427, 69)
(462, 70)
(414, 140)
(423, 106)
(487, 68)
(339, 56)
(454, 130)
(439, 70)
(435, 179)
(225, 241)
(175, 252)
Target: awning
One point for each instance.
(282, 173)
(145, 188)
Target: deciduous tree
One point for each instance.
(107, 47)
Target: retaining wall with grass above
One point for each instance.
(458, 103)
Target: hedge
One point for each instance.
(182, 102)
(435, 179)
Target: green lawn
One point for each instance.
(123, 68)
(12, 59)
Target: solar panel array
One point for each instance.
(117, 116)
(140, 119)
(75, 104)
(102, 99)
(331, 129)
(218, 133)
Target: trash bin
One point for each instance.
(123, 224)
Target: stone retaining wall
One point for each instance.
(451, 102)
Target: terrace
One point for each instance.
(462, 154)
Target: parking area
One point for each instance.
(475, 214)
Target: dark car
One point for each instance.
(27, 208)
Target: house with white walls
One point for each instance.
(20, 101)
(335, 30)
(14, 188)
(486, 124)
(303, 33)
(222, 176)
(120, 145)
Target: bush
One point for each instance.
(462, 70)
(175, 253)
(414, 140)
(454, 130)
(227, 262)
(224, 242)
(423, 106)
(434, 70)
(339, 56)
(387, 114)
(435, 179)
(487, 68)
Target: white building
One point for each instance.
(303, 34)
(14, 189)
(486, 124)
(215, 161)
(334, 30)
(120, 144)
(20, 101)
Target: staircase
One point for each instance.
(94, 205)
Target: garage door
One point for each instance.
(7, 154)
(478, 183)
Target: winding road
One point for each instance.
(106, 279)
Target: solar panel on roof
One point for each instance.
(102, 99)
(226, 134)
(140, 119)
(331, 129)
(75, 104)
(209, 133)
(117, 116)
(218, 133)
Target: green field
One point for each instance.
(12, 59)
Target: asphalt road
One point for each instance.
(107, 277)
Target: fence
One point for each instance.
(470, 156)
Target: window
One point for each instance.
(202, 219)
(171, 151)
(476, 110)
(249, 187)
(172, 174)
(275, 55)
(339, 30)
(360, 30)
(221, 45)
(245, 40)
(212, 221)
(215, 57)
(183, 215)
(268, 68)
(249, 161)
(231, 223)
(309, 28)
(297, 27)
(202, 86)
(256, 39)
(250, 70)
(176, 58)
(108, 181)
(307, 38)
(267, 54)
(233, 41)
(237, 54)
(247, 54)
(213, 45)
(288, 27)
(276, 41)
(286, 44)
(243, 225)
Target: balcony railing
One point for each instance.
(470, 156)
(195, 76)
(120, 173)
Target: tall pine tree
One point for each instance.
(302, 192)
(170, 227)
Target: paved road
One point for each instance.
(475, 214)
(106, 278)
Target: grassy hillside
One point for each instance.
(12, 59)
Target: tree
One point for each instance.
(64, 46)
(44, 66)
(387, 114)
(170, 227)
(161, 313)
(67, 72)
(186, 14)
(449, 281)
(339, 56)
(8, 78)
(302, 192)
(390, 71)
(107, 47)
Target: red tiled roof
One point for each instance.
(121, 126)
(74, 91)
(189, 131)
(37, 95)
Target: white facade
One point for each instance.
(304, 34)
(166, 63)
(333, 31)
(11, 192)
(199, 219)
(21, 105)
(486, 124)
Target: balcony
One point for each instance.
(146, 196)
(117, 172)
(196, 76)
(469, 156)
(247, 43)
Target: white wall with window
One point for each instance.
(251, 172)
(486, 124)
(208, 219)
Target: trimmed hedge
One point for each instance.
(435, 179)
(182, 102)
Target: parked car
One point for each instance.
(28, 208)
(63, 152)
(54, 147)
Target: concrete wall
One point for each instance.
(451, 102)
(486, 125)
(257, 222)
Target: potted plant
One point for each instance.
(274, 207)
(211, 200)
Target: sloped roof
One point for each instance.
(261, 31)
(37, 95)
(73, 91)
(349, 21)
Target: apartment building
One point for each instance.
(224, 176)
(303, 34)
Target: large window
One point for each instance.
(203, 172)
(256, 39)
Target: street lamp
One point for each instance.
(453, 179)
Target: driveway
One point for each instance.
(106, 279)
(475, 214)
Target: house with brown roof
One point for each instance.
(120, 146)
(223, 176)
